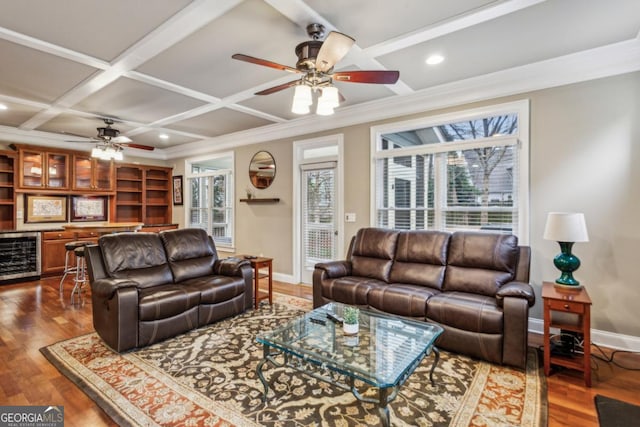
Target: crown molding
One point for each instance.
(614, 59)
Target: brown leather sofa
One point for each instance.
(473, 284)
(147, 287)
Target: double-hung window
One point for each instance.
(210, 186)
(463, 171)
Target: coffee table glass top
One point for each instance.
(384, 351)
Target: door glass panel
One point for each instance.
(32, 169)
(319, 225)
(57, 170)
(82, 172)
(103, 174)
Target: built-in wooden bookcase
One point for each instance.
(7, 190)
(143, 194)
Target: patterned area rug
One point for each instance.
(207, 378)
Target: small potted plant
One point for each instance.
(350, 323)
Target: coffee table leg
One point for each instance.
(265, 384)
(436, 352)
(383, 408)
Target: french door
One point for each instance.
(319, 227)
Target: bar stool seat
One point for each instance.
(69, 268)
(81, 275)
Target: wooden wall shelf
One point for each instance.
(260, 200)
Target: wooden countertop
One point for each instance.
(107, 227)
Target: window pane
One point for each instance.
(211, 199)
(457, 131)
(473, 188)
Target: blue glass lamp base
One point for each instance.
(567, 263)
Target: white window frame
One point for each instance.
(188, 166)
(521, 108)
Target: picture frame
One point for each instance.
(177, 190)
(45, 208)
(88, 208)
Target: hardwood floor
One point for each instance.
(32, 316)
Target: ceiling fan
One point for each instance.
(316, 60)
(110, 137)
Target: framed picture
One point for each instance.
(45, 208)
(177, 190)
(88, 208)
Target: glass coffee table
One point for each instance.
(384, 353)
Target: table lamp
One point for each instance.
(566, 228)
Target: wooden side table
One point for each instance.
(258, 264)
(578, 304)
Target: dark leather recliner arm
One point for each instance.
(106, 288)
(335, 269)
(230, 266)
(517, 290)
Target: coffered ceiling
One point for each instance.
(165, 66)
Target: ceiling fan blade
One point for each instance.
(121, 139)
(138, 146)
(264, 62)
(372, 76)
(333, 49)
(277, 88)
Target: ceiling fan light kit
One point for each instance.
(107, 153)
(316, 60)
(110, 143)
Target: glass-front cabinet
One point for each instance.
(41, 169)
(92, 174)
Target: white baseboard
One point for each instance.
(602, 338)
(286, 278)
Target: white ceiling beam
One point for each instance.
(50, 48)
(451, 25)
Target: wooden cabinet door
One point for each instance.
(32, 168)
(53, 251)
(44, 170)
(91, 174)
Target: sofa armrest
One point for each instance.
(106, 288)
(230, 266)
(335, 269)
(516, 290)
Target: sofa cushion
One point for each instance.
(480, 262)
(373, 252)
(164, 301)
(468, 312)
(215, 289)
(401, 299)
(141, 259)
(350, 289)
(190, 252)
(420, 258)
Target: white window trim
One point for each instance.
(187, 196)
(521, 108)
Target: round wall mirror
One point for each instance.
(262, 169)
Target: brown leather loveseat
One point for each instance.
(473, 284)
(147, 287)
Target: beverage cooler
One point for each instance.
(19, 256)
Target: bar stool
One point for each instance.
(81, 273)
(70, 268)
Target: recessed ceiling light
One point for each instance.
(434, 59)
(163, 136)
(3, 107)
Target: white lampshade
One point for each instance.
(566, 227)
(301, 100)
